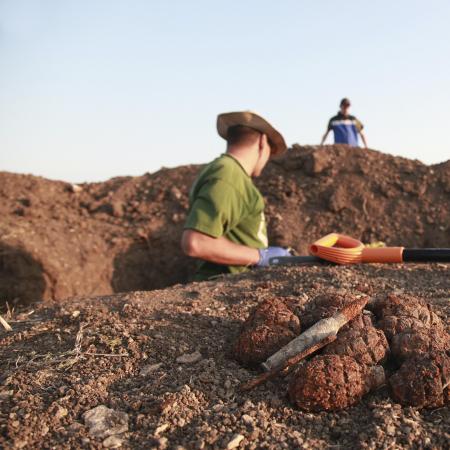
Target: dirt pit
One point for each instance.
(163, 362)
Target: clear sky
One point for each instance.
(91, 89)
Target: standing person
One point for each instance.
(225, 227)
(346, 128)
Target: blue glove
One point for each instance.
(271, 252)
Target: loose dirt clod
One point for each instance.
(147, 370)
(332, 382)
(235, 441)
(417, 342)
(103, 421)
(112, 442)
(422, 381)
(269, 327)
(366, 345)
(190, 358)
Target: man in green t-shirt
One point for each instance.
(225, 227)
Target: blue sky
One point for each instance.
(91, 89)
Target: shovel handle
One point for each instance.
(288, 260)
(382, 255)
(426, 254)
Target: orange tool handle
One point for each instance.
(338, 248)
(342, 249)
(382, 255)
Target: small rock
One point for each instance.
(103, 421)
(390, 430)
(75, 188)
(75, 314)
(200, 444)
(407, 430)
(235, 441)
(147, 370)
(190, 358)
(5, 394)
(117, 208)
(62, 412)
(176, 193)
(20, 443)
(162, 443)
(112, 442)
(248, 420)
(161, 429)
(75, 426)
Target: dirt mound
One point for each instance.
(59, 240)
(162, 363)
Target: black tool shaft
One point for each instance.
(287, 260)
(426, 254)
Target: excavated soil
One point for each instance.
(59, 240)
(165, 358)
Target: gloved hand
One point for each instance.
(271, 252)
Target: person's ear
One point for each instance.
(262, 141)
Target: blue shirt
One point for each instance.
(345, 129)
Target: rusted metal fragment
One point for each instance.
(269, 327)
(353, 309)
(419, 341)
(323, 306)
(366, 345)
(333, 382)
(399, 313)
(422, 381)
(393, 325)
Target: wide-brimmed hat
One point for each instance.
(249, 119)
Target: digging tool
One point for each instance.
(342, 249)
